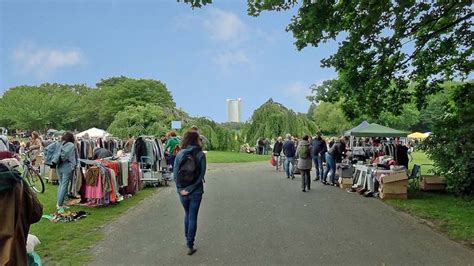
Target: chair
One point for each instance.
(415, 176)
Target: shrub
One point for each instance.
(451, 146)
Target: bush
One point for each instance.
(451, 146)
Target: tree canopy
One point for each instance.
(272, 119)
(330, 119)
(148, 119)
(120, 92)
(41, 107)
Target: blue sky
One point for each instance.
(204, 56)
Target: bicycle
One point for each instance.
(31, 175)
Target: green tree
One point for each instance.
(451, 145)
(41, 107)
(151, 120)
(407, 120)
(330, 119)
(272, 119)
(310, 112)
(219, 136)
(121, 92)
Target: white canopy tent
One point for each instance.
(93, 133)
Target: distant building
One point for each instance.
(234, 110)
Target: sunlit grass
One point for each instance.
(69, 243)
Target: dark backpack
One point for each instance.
(188, 169)
(303, 153)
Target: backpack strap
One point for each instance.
(198, 162)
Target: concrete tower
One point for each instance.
(233, 110)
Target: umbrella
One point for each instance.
(417, 135)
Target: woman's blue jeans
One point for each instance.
(191, 205)
(64, 177)
(318, 164)
(330, 166)
(288, 160)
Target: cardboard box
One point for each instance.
(345, 181)
(394, 177)
(393, 189)
(345, 173)
(345, 186)
(432, 183)
(385, 196)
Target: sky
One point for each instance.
(204, 56)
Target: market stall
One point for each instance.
(378, 166)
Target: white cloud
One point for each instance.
(297, 91)
(228, 59)
(225, 26)
(44, 61)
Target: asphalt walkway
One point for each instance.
(252, 215)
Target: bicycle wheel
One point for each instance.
(35, 180)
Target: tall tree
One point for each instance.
(451, 145)
(41, 107)
(272, 119)
(330, 119)
(121, 92)
(148, 119)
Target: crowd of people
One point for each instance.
(301, 155)
(183, 155)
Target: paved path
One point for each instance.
(252, 215)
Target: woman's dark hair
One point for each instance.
(191, 137)
(305, 137)
(68, 137)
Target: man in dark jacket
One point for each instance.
(19, 209)
(318, 150)
(290, 151)
(260, 146)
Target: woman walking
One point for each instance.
(304, 162)
(189, 170)
(65, 168)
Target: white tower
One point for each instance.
(233, 110)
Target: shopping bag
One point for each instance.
(296, 170)
(273, 161)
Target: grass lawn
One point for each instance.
(69, 243)
(420, 158)
(234, 157)
(450, 214)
